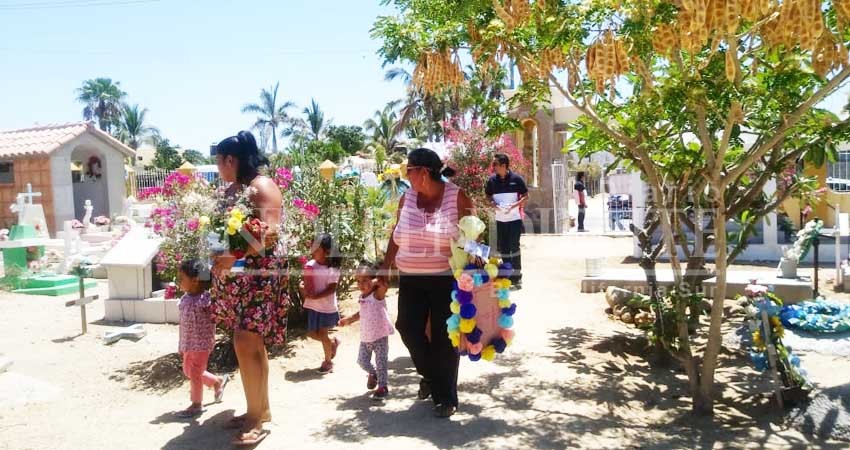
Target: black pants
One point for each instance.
(421, 296)
(507, 243)
(581, 218)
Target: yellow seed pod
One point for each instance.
(732, 16)
(731, 68)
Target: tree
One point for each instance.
(710, 101)
(349, 137)
(314, 121)
(195, 157)
(132, 127)
(271, 115)
(167, 156)
(384, 126)
(103, 100)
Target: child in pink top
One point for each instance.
(321, 278)
(197, 335)
(375, 328)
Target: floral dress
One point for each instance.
(254, 299)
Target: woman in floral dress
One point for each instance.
(251, 302)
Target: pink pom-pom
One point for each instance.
(507, 335)
(466, 283)
(475, 349)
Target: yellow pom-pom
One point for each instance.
(489, 353)
(455, 340)
(458, 274)
(492, 270)
(507, 283)
(454, 334)
(504, 303)
(509, 341)
(494, 261)
(467, 325)
(455, 307)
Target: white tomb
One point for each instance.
(30, 213)
(129, 268)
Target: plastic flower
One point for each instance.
(204, 221)
(193, 224)
(758, 342)
(237, 214)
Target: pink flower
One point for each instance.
(755, 290)
(311, 211)
(170, 292)
(192, 224)
(299, 203)
(303, 260)
(283, 177)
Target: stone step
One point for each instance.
(53, 291)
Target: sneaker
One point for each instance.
(380, 394)
(326, 367)
(424, 389)
(444, 411)
(371, 382)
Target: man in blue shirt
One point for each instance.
(508, 193)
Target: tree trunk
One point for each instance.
(712, 350)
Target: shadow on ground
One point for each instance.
(210, 433)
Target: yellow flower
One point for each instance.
(779, 331)
(237, 214)
(758, 342)
(234, 223)
(775, 322)
(231, 231)
(203, 221)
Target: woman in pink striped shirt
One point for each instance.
(420, 247)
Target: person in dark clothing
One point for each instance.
(508, 193)
(581, 201)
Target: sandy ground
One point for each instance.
(573, 379)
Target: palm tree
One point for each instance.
(315, 120)
(103, 100)
(384, 126)
(271, 115)
(132, 128)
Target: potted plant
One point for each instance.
(788, 262)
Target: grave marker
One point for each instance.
(82, 302)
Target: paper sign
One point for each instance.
(476, 249)
(844, 224)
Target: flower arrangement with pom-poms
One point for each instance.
(481, 323)
(767, 334)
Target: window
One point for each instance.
(7, 173)
(838, 173)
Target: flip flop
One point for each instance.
(235, 422)
(189, 413)
(220, 394)
(256, 436)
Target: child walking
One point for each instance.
(375, 328)
(197, 335)
(321, 277)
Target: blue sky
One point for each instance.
(192, 66)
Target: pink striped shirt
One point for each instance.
(424, 239)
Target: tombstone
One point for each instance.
(88, 226)
(134, 332)
(30, 213)
(129, 269)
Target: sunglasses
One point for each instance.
(414, 168)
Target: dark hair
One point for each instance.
(369, 267)
(244, 148)
(427, 158)
(502, 159)
(195, 268)
(326, 242)
(580, 176)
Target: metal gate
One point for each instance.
(560, 198)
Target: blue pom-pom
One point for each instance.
(477, 280)
(470, 267)
(499, 344)
(463, 353)
(503, 294)
(759, 361)
(795, 360)
(506, 270)
(468, 311)
(453, 322)
(464, 297)
(475, 336)
(475, 356)
(510, 310)
(455, 286)
(506, 321)
(454, 295)
(485, 278)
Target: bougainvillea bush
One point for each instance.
(181, 217)
(313, 205)
(471, 157)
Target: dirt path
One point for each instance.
(573, 379)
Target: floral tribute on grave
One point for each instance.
(482, 311)
(767, 351)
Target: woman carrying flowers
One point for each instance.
(428, 216)
(252, 302)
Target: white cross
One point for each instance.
(29, 194)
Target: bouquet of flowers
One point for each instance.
(235, 229)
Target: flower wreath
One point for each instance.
(90, 167)
(471, 281)
(817, 316)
